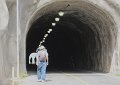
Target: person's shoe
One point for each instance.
(43, 81)
(39, 80)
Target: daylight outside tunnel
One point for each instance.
(81, 40)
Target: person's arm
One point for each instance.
(47, 60)
(37, 60)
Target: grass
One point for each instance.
(118, 74)
(23, 75)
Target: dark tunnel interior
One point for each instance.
(72, 45)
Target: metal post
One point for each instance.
(17, 39)
(13, 76)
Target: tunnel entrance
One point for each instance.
(81, 40)
(67, 45)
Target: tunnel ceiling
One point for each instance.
(85, 27)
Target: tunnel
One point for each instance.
(83, 39)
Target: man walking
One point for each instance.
(42, 62)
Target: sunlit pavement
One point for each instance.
(67, 78)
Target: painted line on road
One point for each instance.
(81, 80)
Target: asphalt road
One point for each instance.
(68, 78)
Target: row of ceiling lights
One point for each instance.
(57, 19)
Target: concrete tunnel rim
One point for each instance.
(33, 17)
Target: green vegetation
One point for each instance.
(118, 74)
(23, 75)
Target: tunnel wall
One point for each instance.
(7, 40)
(30, 11)
(3, 28)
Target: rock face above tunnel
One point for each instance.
(102, 16)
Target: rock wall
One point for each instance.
(7, 40)
(31, 11)
(4, 17)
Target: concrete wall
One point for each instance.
(7, 40)
(4, 17)
(30, 11)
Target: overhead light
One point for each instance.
(57, 19)
(43, 38)
(43, 41)
(53, 24)
(61, 13)
(45, 35)
(50, 29)
(40, 44)
(48, 32)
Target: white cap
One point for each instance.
(41, 47)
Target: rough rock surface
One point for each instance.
(7, 40)
(103, 20)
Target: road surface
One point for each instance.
(67, 78)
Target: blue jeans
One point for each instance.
(41, 70)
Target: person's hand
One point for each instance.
(47, 63)
(37, 64)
